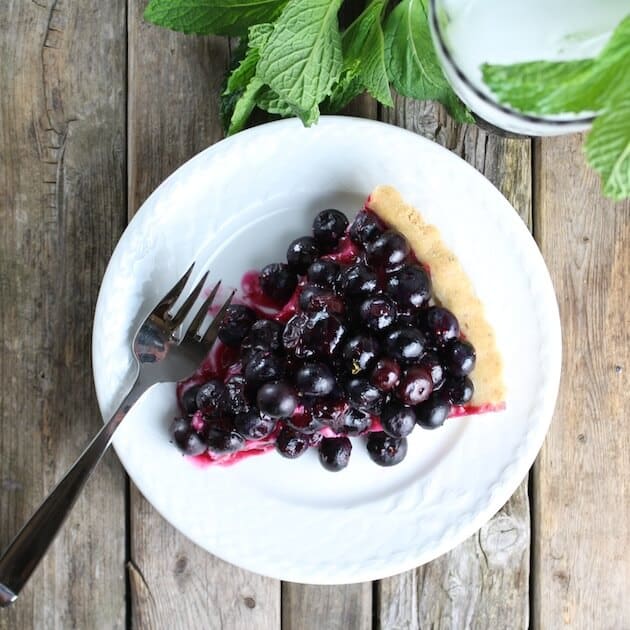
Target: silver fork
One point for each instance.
(164, 350)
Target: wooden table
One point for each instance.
(96, 108)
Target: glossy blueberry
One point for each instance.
(188, 402)
(439, 324)
(363, 395)
(293, 333)
(405, 345)
(459, 357)
(432, 413)
(263, 367)
(389, 250)
(236, 323)
(398, 420)
(265, 334)
(302, 252)
(328, 410)
(277, 400)
(352, 422)
(290, 443)
(328, 227)
(385, 375)
(459, 390)
(187, 440)
(211, 397)
(323, 273)
(322, 335)
(415, 386)
(303, 421)
(278, 281)
(385, 450)
(358, 280)
(236, 399)
(410, 287)
(220, 442)
(431, 363)
(365, 228)
(315, 379)
(251, 425)
(315, 298)
(359, 353)
(334, 453)
(378, 312)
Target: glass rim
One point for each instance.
(448, 57)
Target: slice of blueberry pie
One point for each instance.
(367, 330)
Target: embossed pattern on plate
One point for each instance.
(236, 206)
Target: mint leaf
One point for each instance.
(364, 57)
(412, 64)
(218, 17)
(302, 58)
(547, 87)
(345, 89)
(608, 145)
(244, 106)
(270, 102)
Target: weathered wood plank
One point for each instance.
(62, 201)
(174, 83)
(581, 491)
(484, 582)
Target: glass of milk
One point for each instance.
(468, 33)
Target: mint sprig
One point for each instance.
(600, 85)
(293, 60)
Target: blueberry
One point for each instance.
(352, 422)
(323, 334)
(265, 335)
(378, 312)
(304, 422)
(459, 357)
(398, 420)
(314, 298)
(358, 280)
(329, 410)
(328, 227)
(359, 353)
(365, 228)
(385, 450)
(294, 331)
(211, 397)
(315, 379)
(236, 323)
(236, 400)
(459, 390)
(439, 324)
(432, 413)
(251, 425)
(187, 402)
(185, 438)
(410, 287)
(323, 273)
(263, 367)
(431, 363)
(302, 253)
(363, 395)
(389, 250)
(278, 281)
(385, 375)
(405, 345)
(277, 400)
(415, 386)
(220, 442)
(334, 453)
(290, 443)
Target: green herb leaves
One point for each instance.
(600, 85)
(412, 64)
(218, 17)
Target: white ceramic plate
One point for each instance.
(235, 207)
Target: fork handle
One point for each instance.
(20, 558)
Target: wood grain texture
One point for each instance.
(581, 498)
(174, 86)
(483, 583)
(62, 208)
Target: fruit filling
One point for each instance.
(346, 339)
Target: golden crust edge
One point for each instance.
(460, 298)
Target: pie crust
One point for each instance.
(452, 289)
